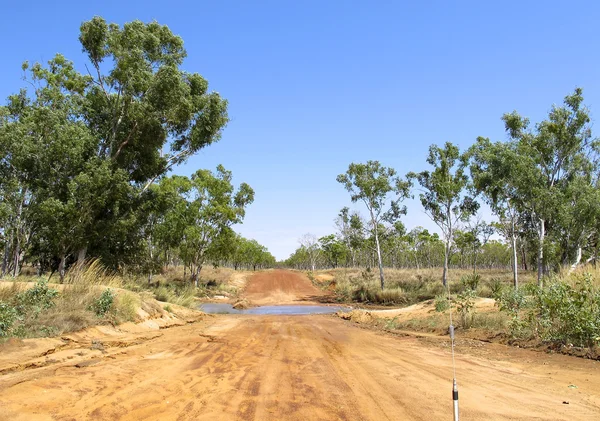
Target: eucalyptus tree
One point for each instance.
(214, 206)
(310, 243)
(497, 172)
(333, 249)
(372, 184)
(81, 149)
(442, 194)
(350, 231)
(549, 156)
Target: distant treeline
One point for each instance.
(542, 185)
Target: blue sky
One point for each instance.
(315, 85)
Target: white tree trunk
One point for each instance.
(514, 261)
(542, 233)
(446, 254)
(577, 260)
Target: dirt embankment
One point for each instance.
(240, 367)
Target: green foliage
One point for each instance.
(104, 303)
(497, 287)
(81, 150)
(465, 306)
(8, 316)
(372, 183)
(39, 297)
(441, 303)
(442, 196)
(568, 314)
(471, 281)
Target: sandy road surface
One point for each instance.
(281, 287)
(236, 367)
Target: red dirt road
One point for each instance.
(238, 367)
(281, 287)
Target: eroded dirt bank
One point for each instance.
(239, 367)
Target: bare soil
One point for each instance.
(240, 367)
(281, 287)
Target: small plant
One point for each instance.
(465, 306)
(311, 276)
(8, 316)
(511, 301)
(470, 282)
(441, 303)
(496, 286)
(36, 299)
(391, 324)
(104, 303)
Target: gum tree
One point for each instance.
(551, 157)
(373, 184)
(442, 193)
(214, 206)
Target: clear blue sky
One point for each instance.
(315, 85)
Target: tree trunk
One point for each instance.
(81, 256)
(446, 254)
(514, 261)
(196, 275)
(577, 260)
(61, 268)
(17, 252)
(381, 278)
(540, 262)
(6, 256)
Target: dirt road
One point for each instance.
(281, 287)
(235, 367)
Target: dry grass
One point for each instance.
(72, 308)
(407, 286)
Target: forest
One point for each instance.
(86, 162)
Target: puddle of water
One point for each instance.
(222, 308)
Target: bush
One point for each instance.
(8, 316)
(465, 306)
(441, 303)
(568, 314)
(470, 282)
(496, 286)
(104, 303)
(36, 299)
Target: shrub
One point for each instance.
(496, 286)
(465, 306)
(36, 299)
(391, 324)
(441, 303)
(470, 281)
(511, 300)
(8, 316)
(568, 314)
(104, 303)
